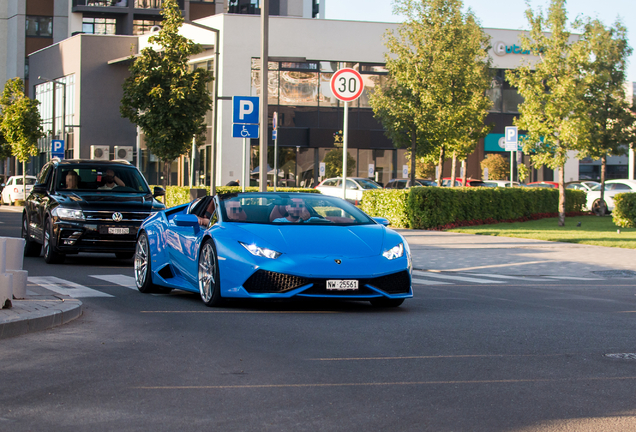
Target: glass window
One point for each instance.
(495, 93)
(621, 186)
(383, 166)
(39, 26)
(511, 101)
(147, 4)
(99, 25)
(298, 88)
(102, 178)
(368, 184)
(370, 81)
(141, 26)
(272, 85)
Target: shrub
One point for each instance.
(177, 195)
(498, 166)
(624, 214)
(434, 207)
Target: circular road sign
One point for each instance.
(275, 120)
(347, 85)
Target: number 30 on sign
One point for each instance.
(347, 85)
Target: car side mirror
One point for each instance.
(158, 191)
(187, 220)
(382, 221)
(39, 188)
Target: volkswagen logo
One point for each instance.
(117, 217)
(338, 261)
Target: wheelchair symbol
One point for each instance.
(244, 132)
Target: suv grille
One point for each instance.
(107, 216)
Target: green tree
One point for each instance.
(611, 121)
(553, 112)
(435, 94)
(333, 163)
(21, 124)
(498, 166)
(163, 97)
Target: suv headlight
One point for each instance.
(68, 214)
(261, 251)
(394, 252)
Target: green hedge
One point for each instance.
(177, 195)
(624, 214)
(431, 207)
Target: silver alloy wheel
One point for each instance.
(47, 239)
(207, 272)
(141, 260)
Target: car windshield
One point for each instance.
(596, 187)
(100, 178)
(290, 208)
(368, 184)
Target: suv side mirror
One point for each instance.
(158, 191)
(39, 188)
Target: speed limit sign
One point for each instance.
(347, 85)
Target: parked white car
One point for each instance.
(612, 187)
(355, 187)
(584, 185)
(499, 183)
(14, 191)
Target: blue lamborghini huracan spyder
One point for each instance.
(273, 245)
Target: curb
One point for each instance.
(62, 312)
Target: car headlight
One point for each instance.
(261, 251)
(394, 252)
(69, 214)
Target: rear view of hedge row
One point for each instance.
(624, 214)
(432, 207)
(177, 195)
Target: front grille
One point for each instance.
(263, 281)
(107, 216)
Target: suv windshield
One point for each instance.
(115, 178)
(290, 208)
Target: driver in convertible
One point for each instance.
(295, 209)
(235, 211)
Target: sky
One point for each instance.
(507, 14)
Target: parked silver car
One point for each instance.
(355, 187)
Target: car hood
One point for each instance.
(106, 201)
(320, 241)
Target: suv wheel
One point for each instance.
(31, 247)
(50, 255)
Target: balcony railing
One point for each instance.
(138, 4)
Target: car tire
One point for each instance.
(386, 302)
(208, 275)
(124, 255)
(143, 269)
(10, 201)
(596, 208)
(31, 247)
(50, 255)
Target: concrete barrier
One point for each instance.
(11, 262)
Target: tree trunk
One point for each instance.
(440, 165)
(413, 156)
(603, 167)
(453, 169)
(562, 195)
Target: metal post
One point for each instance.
(345, 136)
(511, 165)
(275, 162)
(192, 158)
(243, 170)
(64, 116)
(262, 174)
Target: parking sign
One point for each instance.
(57, 149)
(245, 109)
(511, 137)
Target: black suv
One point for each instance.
(86, 206)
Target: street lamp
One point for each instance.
(63, 84)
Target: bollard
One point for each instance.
(20, 278)
(13, 264)
(6, 280)
(15, 252)
(3, 255)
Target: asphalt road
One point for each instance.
(459, 356)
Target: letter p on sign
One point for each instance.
(245, 110)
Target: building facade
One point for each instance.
(304, 53)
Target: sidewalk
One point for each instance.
(40, 310)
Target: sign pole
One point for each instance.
(244, 163)
(511, 165)
(345, 136)
(275, 163)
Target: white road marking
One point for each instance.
(118, 279)
(573, 278)
(428, 282)
(65, 287)
(508, 277)
(457, 278)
